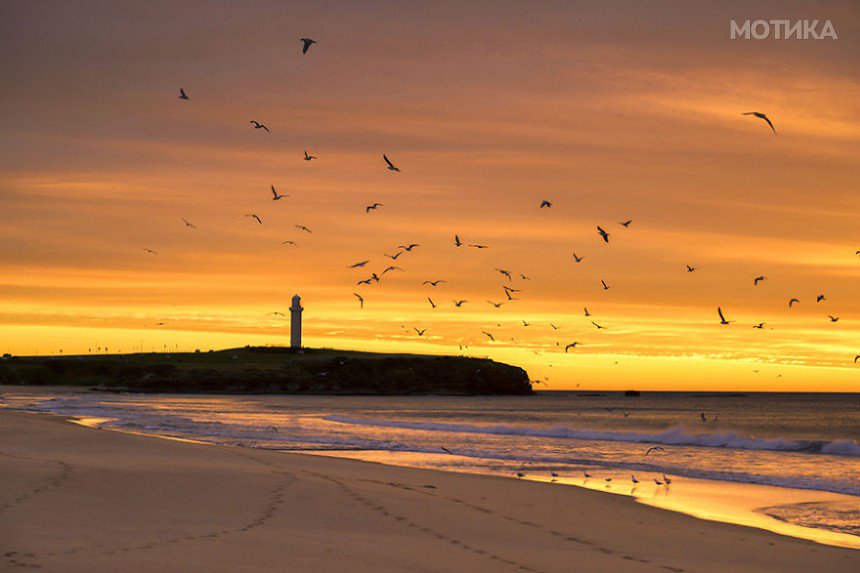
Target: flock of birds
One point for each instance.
(508, 290)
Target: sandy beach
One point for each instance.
(82, 499)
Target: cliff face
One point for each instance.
(274, 370)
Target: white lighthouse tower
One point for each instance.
(296, 323)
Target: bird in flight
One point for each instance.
(524, 277)
(360, 299)
(394, 256)
(306, 44)
(303, 228)
(275, 196)
(820, 297)
(569, 346)
(373, 207)
(496, 304)
(420, 332)
(760, 325)
(457, 242)
(505, 273)
(408, 247)
(654, 449)
(391, 166)
(182, 94)
(758, 280)
(792, 301)
(357, 265)
(187, 224)
(258, 125)
(723, 318)
(603, 234)
(526, 323)
(599, 327)
(605, 286)
(545, 204)
(626, 223)
(586, 311)
(255, 217)
(433, 283)
(150, 251)
(691, 269)
(293, 243)
(309, 157)
(833, 318)
(433, 304)
(391, 268)
(554, 327)
(577, 259)
(856, 358)
(459, 303)
(492, 339)
(475, 246)
(365, 282)
(277, 313)
(762, 116)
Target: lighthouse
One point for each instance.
(296, 323)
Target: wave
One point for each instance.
(677, 436)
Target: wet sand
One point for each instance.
(74, 498)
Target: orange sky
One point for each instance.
(629, 111)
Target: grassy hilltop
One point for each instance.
(272, 370)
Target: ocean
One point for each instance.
(803, 447)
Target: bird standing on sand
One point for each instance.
(275, 196)
(306, 44)
(182, 94)
(762, 116)
(258, 125)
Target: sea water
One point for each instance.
(804, 444)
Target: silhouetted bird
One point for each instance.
(408, 247)
(475, 246)
(187, 224)
(605, 286)
(255, 217)
(360, 299)
(391, 166)
(691, 269)
(603, 234)
(762, 116)
(505, 273)
(459, 303)
(182, 94)
(577, 259)
(488, 335)
(309, 157)
(433, 283)
(758, 280)
(654, 449)
(569, 346)
(275, 196)
(792, 301)
(545, 204)
(370, 208)
(258, 125)
(433, 304)
(394, 256)
(392, 268)
(626, 223)
(723, 318)
(457, 242)
(358, 265)
(599, 327)
(303, 228)
(496, 304)
(586, 311)
(293, 243)
(306, 44)
(833, 318)
(760, 325)
(150, 251)
(820, 297)
(420, 332)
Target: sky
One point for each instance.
(612, 111)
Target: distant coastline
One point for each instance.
(272, 370)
